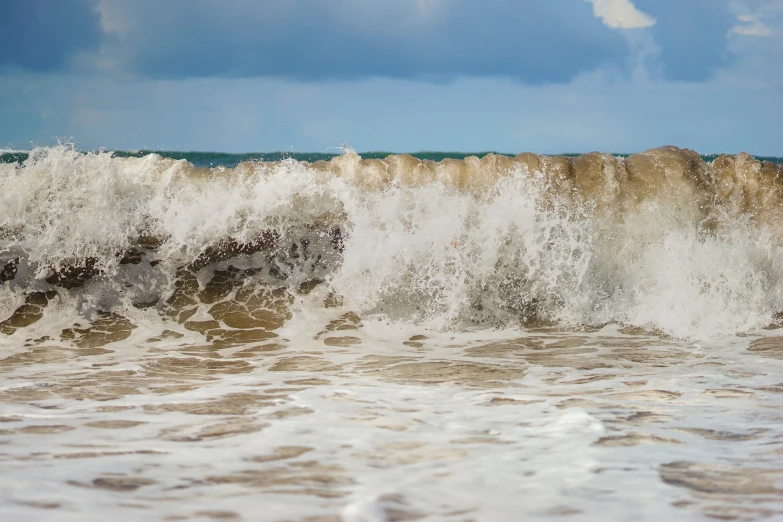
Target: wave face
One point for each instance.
(660, 240)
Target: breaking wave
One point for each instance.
(659, 240)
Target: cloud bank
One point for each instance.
(42, 35)
(427, 40)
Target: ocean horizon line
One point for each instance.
(17, 155)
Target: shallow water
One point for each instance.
(363, 420)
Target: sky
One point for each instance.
(393, 75)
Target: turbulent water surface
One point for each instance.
(390, 338)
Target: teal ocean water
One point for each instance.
(231, 160)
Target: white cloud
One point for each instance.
(621, 14)
(750, 26)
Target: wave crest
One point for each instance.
(660, 239)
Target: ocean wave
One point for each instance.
(661, 240)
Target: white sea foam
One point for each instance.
(415, 242)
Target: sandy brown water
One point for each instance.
(363, 420)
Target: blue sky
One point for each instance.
(396, 75)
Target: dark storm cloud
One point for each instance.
(534, 41)
(41, 35)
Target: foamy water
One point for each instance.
(485, 339)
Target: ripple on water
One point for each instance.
(323, 425)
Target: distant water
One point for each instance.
(221, 159)
(384, 337)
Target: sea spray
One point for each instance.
(659, 240)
